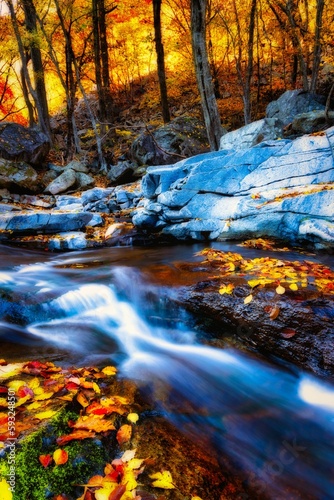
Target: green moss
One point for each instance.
(34, 482)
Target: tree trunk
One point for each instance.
(249, 70)
(317, 45)
(101, 63)
(160, 60)
(203, 75)
(37, 65)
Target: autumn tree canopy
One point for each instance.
(54, 53)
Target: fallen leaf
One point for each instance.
(287, 333)
(124, 434)
(280, 290)
(81, 398)
(93, 423)
(163, 480)
(133, 418)
(45, 460)
(5, 493)
(248, 299)
(274, 312)
(293, 286)
(228, 289)
(45, 414)
(109, 370)
(80, 434)
(60, 456)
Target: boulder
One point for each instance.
(62, 183)
(252, 134)
(277, 188)
(18, 176)
(84, 181)
(182, 137)
(19, 143)
(307, 123)
(294, 102)
(122, 172)
(44, 222)
(78, 166)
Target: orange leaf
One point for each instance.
(45, 460)
(60, 456)
(74, 435)
(274, 312)
(124, 434)
(93, 423)
(81, 398)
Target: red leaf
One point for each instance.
(287, 333)
(45, 460)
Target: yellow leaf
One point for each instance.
(280, 290)
(45, 414)
(5, 493)
(254, 283)
(16, 384)
(135, 463)
(109, 370)
(228, 289)
(133, 417)
(96, 388)
(43, 395)
(34, 383)
(163, 480)
(129, 480)
(10, 370)
(196, 498)
(34, 406)
(293, 286)
(248, 299)
(60, 456)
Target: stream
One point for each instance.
(102, 306)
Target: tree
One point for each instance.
(203, 75)
(39, 95)
(101, 62)
(160, 60)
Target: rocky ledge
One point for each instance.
(279, 188)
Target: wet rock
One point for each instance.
(19, 143)
(18, 176)
(75, 240)
(120, 234)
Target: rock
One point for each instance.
(62, 183)
(77, 166)
(65, 200)
(184, 136)
(251, 325)
(84, 181)
(292, 103)
(38, 201)
(122, 172)
(44, 222)
(5, 194)
(271, 189)
(75, 240)
(18, 176)
(120, 234)
(19, 143)
(252, 134)
(307, 123)
(95, 194)
(48, 177)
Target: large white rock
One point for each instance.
(282, 189)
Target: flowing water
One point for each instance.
(103, 306)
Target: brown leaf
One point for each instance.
(118, 492)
